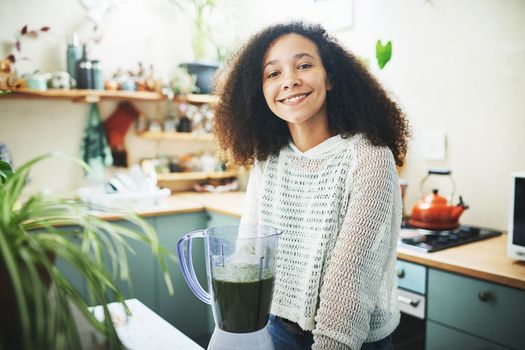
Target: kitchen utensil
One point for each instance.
(240, 262)
(433, 211)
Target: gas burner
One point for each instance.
(432, 241)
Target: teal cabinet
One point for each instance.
(440, 337)
(183, 309)
(482, 309)
(142, 270)
(218, 219)
(70, 272)
(412, 277)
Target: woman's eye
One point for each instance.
(304, 66)
(272, 74)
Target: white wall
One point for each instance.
(457, 67)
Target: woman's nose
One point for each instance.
(291, 81)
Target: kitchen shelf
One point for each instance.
(92, 96)
(186, 136)
(197, 98)
(79, 95)
(200, 175)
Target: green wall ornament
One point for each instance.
(383, 53)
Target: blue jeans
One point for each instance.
(286, 339)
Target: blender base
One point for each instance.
(258, 340)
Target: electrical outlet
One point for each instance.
(433, 144)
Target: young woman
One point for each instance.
(324, 139)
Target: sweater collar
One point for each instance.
(326, 146)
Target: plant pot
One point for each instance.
(204, 72)
(10, 329)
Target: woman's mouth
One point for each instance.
(294, 99)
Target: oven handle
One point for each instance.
(406, 300)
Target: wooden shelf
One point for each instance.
(78, 95)
(197, 98)
(201, 175)
(185, 136)
(92, 96)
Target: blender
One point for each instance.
(240, 265)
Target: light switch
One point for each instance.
(433, 143)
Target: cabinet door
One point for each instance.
(439, 337)
(183, 309)
(217, 219)
(141, 265)
(484, 309)
(70, 273)
(142, 270)
(412, 277)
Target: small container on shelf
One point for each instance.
(170, 124)
(155, 125)
(142, 124)
(184, 124)
(98, 79)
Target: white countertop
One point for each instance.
(144, 329)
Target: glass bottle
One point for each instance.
(184, 124)
(73, 54)
(84, 71)
(98, 79)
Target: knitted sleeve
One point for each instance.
(351, 284)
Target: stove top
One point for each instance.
(428, 241)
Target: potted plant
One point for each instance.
(202, 42)
(38, 302)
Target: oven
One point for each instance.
(412, 286)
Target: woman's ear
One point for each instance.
(328, 86)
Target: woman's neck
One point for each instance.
(306, 137)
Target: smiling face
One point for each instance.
(295, 81)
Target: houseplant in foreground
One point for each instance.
(37, 301)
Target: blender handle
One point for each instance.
(186, 265)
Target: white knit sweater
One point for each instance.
(339, 206)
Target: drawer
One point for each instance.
(484, 309)
(411, 303)
(412, 277)
(439, 337)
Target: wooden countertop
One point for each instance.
(486, 259)
(230, 203)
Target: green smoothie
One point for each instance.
(242, 304)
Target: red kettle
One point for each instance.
(433, 211)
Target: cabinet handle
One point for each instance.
(400, 273)
(405, 300)
(484, 296)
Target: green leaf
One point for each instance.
(383, 53)
(29, 232)
(5, 171)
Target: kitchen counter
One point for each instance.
(144, 329)
(486, 259)
(230, 203)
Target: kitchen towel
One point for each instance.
(116, 127)
(95, 150)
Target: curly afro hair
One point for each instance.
(246, 128)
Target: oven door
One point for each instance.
(410, 334)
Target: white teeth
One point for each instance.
(295, 98)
